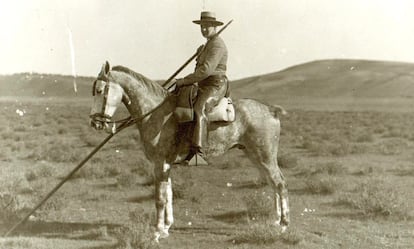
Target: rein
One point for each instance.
(125, 121)
(134, 120)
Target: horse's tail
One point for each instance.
(277, 110)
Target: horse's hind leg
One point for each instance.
(264, 153)
(275, 178)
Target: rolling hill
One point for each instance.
(44, 85)
(357, 79)
(333, 79)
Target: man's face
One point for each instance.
(207, 30)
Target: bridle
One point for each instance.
(102, 117)
(105, 118)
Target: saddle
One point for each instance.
(184, 111)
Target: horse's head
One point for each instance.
(107, 96)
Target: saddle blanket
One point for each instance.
(223, 111)
(184, 112)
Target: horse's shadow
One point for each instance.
(65, 230)
(140, 199)
(232, 217)
(54, 228)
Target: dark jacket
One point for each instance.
(212, 61)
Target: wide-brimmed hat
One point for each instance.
(208, 17)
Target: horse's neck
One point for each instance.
(155, 122)
(144, 97)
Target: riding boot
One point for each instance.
(200, 134)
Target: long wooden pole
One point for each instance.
(121, 127)
(189, 60)
(68, 176)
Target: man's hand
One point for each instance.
(179, 82)
(199, 49)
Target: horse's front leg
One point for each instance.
(163, 200)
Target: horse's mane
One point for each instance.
(139, 77)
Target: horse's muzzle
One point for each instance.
(102, 123)
(96, 124)
(98, 121)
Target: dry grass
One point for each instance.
(265, 234)
(375, 198)
(126, 180)
(287, 160)
(330, 168)
(259, 205)
(138, 232)
(323, 155)
(321, 184)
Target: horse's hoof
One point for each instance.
(280, 228)
(161, 235)
(164, 235)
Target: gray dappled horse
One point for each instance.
(256, 131)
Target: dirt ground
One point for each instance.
(350, 176)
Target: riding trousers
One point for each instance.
(210, 91)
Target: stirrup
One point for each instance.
(195, 157)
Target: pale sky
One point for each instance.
(156, 37)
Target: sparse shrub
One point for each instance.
(37, 124)
(9, 207)
(137, 233)
(320, 184)
(379, 129)
(54, 203)
(30, 175)
(365, 137)
(13, 199)
(6, 135)
(333, 168)
(98, 172)
(20, 128)
(144, 171)
(31, 145)
(196, 197)
(45, 171)
(330, 168)
(5, 156)
(393, 146)
(91, 140)
(62, 131)
(287, 160)
(111, 170)
(340, 148)
(396, 132)
(337, 146)
(230, 164)
(376, 199)
(64, 152)
(21, 242)
(42, 171)
(17, 146)
(259, 205)
(126, 180)
(310, 144)
(364, 171)
(265, 234)
(180, 189)
(148, 178)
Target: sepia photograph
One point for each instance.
(228, 124)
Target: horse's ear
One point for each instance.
(107, 67)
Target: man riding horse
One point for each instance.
(210, 75)
(255, 129)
